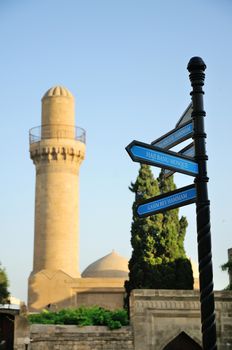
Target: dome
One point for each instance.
(57, 91)
(109, 266)
(195, 274)
(195, 269)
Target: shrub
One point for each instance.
(83, 316)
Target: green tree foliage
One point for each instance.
(174, 229)
(4, 284)
(158, 257)
(228, 267)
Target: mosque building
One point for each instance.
(57, 149)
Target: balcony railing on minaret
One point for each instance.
(58, 131)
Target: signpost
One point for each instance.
(191, 160)
(148, 154)
(196, 68)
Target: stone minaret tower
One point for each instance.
(57, 149)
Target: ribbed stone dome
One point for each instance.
(57, 91)
(109, 266)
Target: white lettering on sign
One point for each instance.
(164, 159)
(179, 163)
(175, 136)
(172, 201)
(167, 201)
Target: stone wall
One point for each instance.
(159, 316)
(57, 337)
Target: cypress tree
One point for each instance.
(174, 229)
(145, 231)
(158, 258)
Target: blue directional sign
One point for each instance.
(175, 136)
(187, 151)
(175, 199)
(144, 153)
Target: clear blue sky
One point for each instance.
(125, 63)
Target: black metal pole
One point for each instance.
(196, 68)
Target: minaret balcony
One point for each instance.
(56, 131)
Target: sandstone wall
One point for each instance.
(55, 337)
(159, 316)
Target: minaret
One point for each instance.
(57, 149)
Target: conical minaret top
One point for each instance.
(57, 149)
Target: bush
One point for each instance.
(83, 316)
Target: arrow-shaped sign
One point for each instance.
(175, 136)
(175, 199)
(187, 151)
(186, 116)
(144, 153)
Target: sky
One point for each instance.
(125, 63)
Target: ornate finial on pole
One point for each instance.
(196, 68)
(196, 63)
